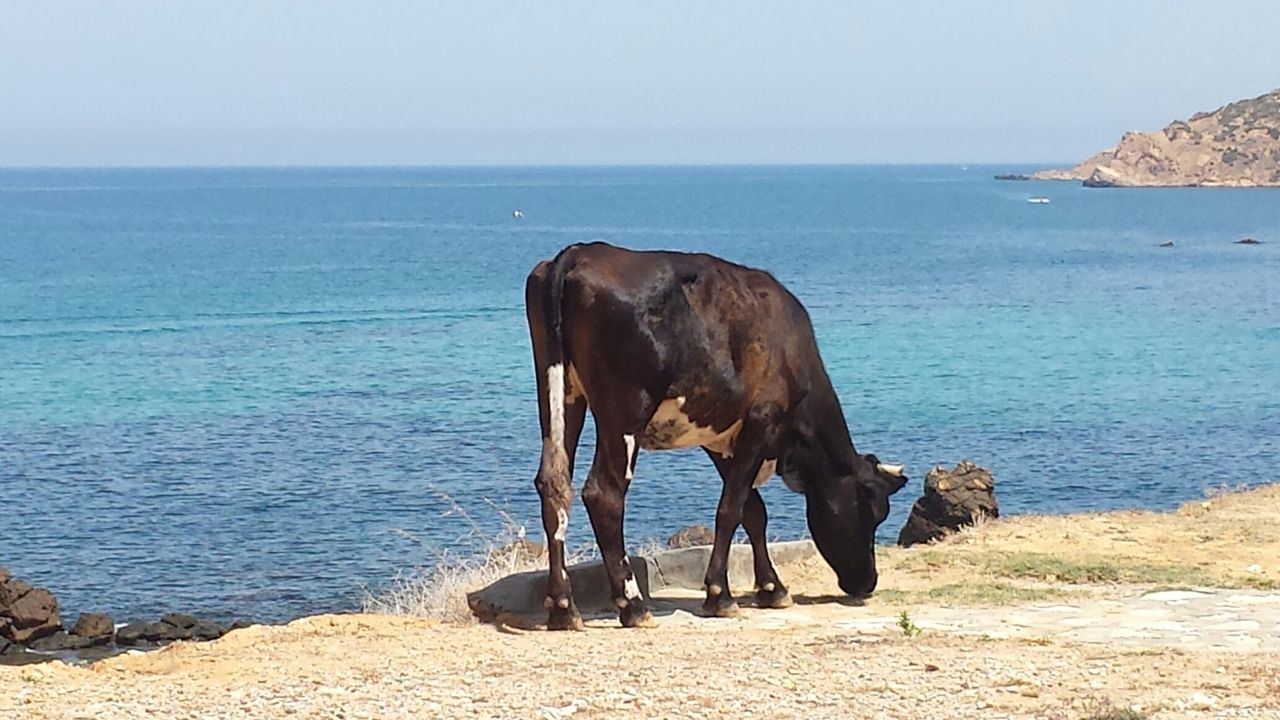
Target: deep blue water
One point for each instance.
(246, 392)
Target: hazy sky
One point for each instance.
(165, 82)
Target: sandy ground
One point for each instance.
(364, 666)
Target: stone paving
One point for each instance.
(1227, 620)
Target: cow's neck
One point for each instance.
(832, 433)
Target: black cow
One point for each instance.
(674, 350)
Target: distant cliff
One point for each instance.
(1237, 145)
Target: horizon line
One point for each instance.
(479, 166)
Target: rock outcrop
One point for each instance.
(952, 499)
(1237, 145)
(26, 613)
(29, 621)
(95, 628)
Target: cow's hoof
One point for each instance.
(564, 619)
(777, 598)
(723, 606)
(636, 616)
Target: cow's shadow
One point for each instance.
(665, 606)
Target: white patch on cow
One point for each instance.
(631, 589)
(555, 404)
(670, 428)
(564, 574)
(767, 468)
(562, 524)
(630, 440)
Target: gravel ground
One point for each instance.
(382, 667)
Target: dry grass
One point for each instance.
(1231, 539)
(439, 590)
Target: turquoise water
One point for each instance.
(249, 392)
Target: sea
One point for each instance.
(264, 392)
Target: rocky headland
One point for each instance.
(1237, 145)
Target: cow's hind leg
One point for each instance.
(770, 592)
(555, 488)
(605, 494)
(560, 416)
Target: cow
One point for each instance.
(675, 350)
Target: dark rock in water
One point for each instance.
(163, 632)
(692, 536)
(952, 499)
(1167, 243)
(132, 634)
(240, 625)
(31, 612)
(180, 620)
(1248, 241)
(206, 630)
(1012, 176)
(97, 628)
(60, 640)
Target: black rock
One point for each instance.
(162, 632)
(60, 640)
(30, 612)
(952, 499)
(132, 634)
(1013, 176)
(97, 628)
(206, 630)
(7, 647)
(240, 625)
(1167, 243)
(180, 620)
(1248, 241)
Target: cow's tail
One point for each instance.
(544, 293)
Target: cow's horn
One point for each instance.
(894, 470)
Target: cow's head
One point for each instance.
(844, 513)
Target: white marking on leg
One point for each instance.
(564, 573)
(630, 440)
(562, 524)
(555, 404)
(631, 589)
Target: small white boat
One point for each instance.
(1041, 200)
(517, 214)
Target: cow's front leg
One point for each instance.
(605, 495)
(738, 470)
(770, 592)
(720, 602)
